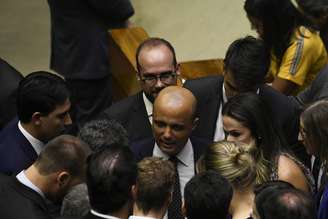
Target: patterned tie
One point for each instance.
(174, 210)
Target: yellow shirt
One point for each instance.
(303, 59)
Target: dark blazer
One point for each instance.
(145, 147)
(9, 79)
(18, 201)
(88, 216)
(79, 35)
(208, 91)
(131, 113)
(317, 90)
(16, 152)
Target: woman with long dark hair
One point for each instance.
(297, 51)
(246, 119)
(314, 133)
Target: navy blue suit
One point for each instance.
(16, 152)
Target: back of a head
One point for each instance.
(207, 195)
(315, 120)
(284, 202)
(40, 92)
(63, 153)
(153, 42)
(253, 113)
(234, 161)
(154, 184)
(102, 133)
(110, 175)
(248, 61)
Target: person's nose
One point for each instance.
(159, 83)
(68, 119)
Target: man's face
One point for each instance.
(172, 128)
(156, 63)
(53, 124)
(229, 85)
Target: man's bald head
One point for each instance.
(177, 98)
(173, 119)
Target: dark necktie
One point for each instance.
(174, 210)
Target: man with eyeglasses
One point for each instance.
(157, 68)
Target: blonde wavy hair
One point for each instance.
(243, 165)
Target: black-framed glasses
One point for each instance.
(164, 77)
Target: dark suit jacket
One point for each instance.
(317, 90)
(9, 79)
(208, 91)
(16, 152)
(88, 216)
(145, 147)
(131, 113)
(18, 201)
(79, 35)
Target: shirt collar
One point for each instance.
(22, 178)
(185, 156)
(36, 143)
(148, 105)
(102, 215)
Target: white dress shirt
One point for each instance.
(102, 215)
(36, 143)
(149, 107)
(219, 131)
(21, 177)
(186, 164)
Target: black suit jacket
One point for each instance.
(88, 216)
(9, 79)
(79, 35)
(131, 113)
(18, 201)
(208, 91)
(16, 152)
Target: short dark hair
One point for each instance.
(40, 92)
(64, 152)
(283, 202)
(111, 172)
(248, 61)
(153, 42)
(102, 133)
(207, 195)
(154, 182)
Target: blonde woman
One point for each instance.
(234, 161)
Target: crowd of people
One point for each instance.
(249, 144)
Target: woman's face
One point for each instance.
(302, 136)
(256, 25)
(235, 131)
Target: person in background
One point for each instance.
(297, 51)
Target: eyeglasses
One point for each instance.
(164, 77)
